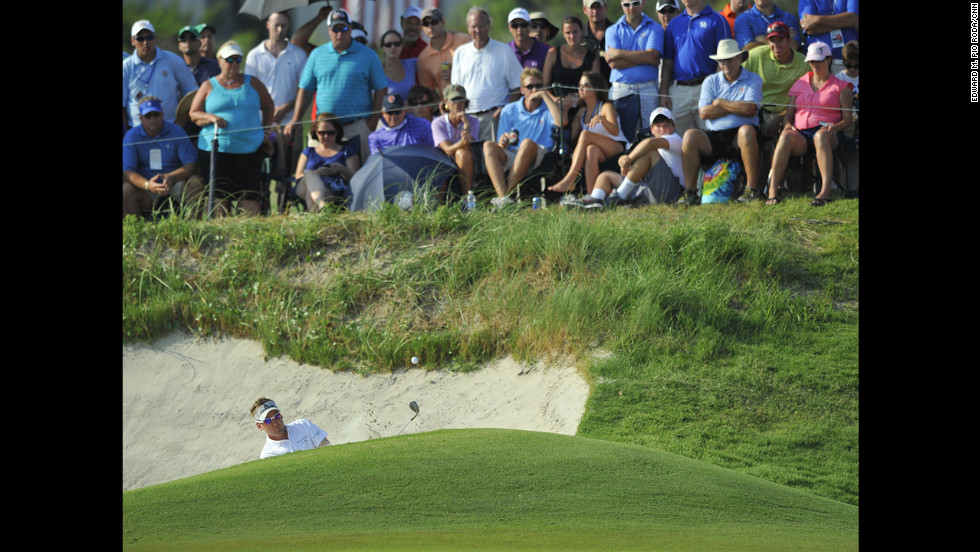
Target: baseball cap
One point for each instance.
(201, 26)
(189, 29)
(434, 13)
(230, 50)
(777, 28)
(412, 11)
(338, 16)
(518, 13)
(263, 411)
(141, 25)
(393, 102)
(666, 4)
(817, 51)
(454, 92)
(150, 106)
(588, 3)
(660, 112)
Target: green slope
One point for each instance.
(487, 490)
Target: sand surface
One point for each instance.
(186, 403)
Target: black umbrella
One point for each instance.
(410, 168)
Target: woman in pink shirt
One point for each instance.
(819, 108)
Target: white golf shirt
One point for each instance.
(302, 435)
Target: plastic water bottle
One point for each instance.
(471, 201)
(404, 200)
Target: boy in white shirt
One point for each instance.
(643, 178)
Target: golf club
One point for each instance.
(415, 408)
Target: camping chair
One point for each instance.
(286, 186)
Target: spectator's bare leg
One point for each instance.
(824, 143)
(790, 143)
(495, 158)
(694, 145)
(748, 143)
(526, 153)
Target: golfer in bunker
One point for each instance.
(281, 437)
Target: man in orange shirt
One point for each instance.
(435, 61)
(733, 10)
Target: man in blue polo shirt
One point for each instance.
(751, 25)
(532, 116)
(399, 128)
(690, 38)
(833, 22)
(633, 48)
(348, 80)
(158, 162)
(153, 71)
(729, 105)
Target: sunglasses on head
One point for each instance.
(269, 420)
(430, 22)
(633, 4)
(392, 44)
(517, 25)
(145, 38)
(233, 59)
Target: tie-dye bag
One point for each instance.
(718, 185)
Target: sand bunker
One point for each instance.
(186, 401)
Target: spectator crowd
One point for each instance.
(583, 109)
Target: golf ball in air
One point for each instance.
(415, 360)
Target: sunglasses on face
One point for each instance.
(392, 44)
(430, 22)
(340, 29)
(518, 25)
(233, 59)
(851, 65)
(188, 38)
(326, 133)
(533, 85)
(269, 420)
(633, 4)
(145, 38)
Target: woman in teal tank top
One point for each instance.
(241, 107)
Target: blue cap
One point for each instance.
(151, 105)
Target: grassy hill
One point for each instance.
(726, 334)
(482, 489)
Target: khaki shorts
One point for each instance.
(512, 155)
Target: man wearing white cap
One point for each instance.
(729, 106)
(282, 438)
(488, 70)
(633, 48)
(530, 53)
(412, 43)
(643, 178)
(153, 72)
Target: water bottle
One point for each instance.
(471, 201)
(404, 200)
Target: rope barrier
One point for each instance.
(364, 115)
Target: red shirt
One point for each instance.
(414, 51)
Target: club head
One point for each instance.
(414, 406)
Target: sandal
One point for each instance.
(773, 201)
(820, 202)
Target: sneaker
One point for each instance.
(592, 203)
(689, 198)
(568, 200)
(750, 194)
(501, 201)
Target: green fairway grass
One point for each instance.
(482, 489)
